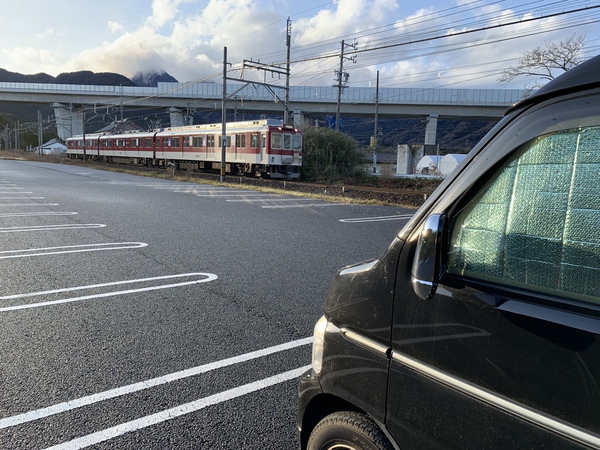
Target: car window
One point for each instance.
(536, 222)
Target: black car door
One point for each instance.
(500, 347)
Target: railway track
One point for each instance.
(401, 197)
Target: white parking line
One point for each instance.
(274, 199)
(28, 204)
(146, 384)
(69, 249)
(207, 277)
(178, 411)
(229, 194)
(306, 206)
(21, 198)
(377, 219)
(71, 226)
(42, 213)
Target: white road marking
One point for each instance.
(16, 193)
(69, 249)
(377, 219)
(209, 277)
(229, 194)
(307, 206)
(147, 384)
(71, 226)
(187, 408)
(101, 285)
(226, 194)
(21, 198)
(28, 204)
(275, 199)
(42, 213)
(174, 186)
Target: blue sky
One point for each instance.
(411, 43)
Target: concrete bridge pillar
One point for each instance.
(408, 156)
(299, 118)
(431, 129)
(68, 122)
(179, 117)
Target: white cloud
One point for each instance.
(21, 58)
(114, 27)
(50, 32)
(163, 12)
(186, 38)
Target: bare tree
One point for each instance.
(543, 63)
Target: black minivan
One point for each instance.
(479, 327)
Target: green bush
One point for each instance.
(330, 156)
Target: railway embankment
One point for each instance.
(411, 196)
(366, 194)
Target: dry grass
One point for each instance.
(168, 174)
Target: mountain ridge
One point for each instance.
(87, 77)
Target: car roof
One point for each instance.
(581, 77)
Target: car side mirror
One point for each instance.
(426, 268)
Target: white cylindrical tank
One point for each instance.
(449, 162)
(428, 165)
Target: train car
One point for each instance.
(263, 148)
(83, 146)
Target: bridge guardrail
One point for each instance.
(415, 96)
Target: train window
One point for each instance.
(120, 142)
(135, 142)
(275, 140)
(240, 140)
(297, 142)
(197, 141)
(227, 141)
(211, 141)
(287, 141)
(175, 142)
(254, 141)
(148, 142)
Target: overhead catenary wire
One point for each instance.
(410, 45)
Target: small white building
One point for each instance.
(449, 163)
(52, 147)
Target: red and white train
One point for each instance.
(266, 148)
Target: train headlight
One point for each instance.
(319, 344)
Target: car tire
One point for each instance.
(347, 430)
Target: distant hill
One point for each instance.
(81, 77)
(91, 78)
(6, 76)
(147, 79)
(152, 79)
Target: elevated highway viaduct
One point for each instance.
(71, 102)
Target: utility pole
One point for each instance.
(376, 130)
(83, 130)
(287, 70)
(17, 136)
(39, 132)
(342, 80)
(224, 116)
